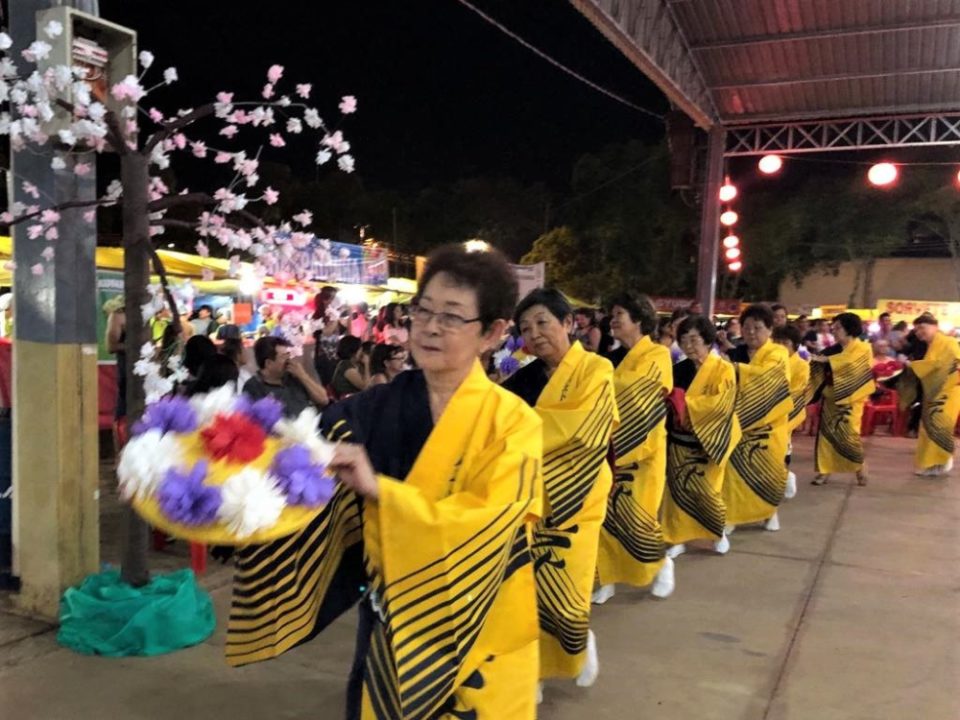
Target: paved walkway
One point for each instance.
(850, 612)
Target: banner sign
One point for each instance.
(109, 292)
(333, 262)
(722, 306)
(529, 277)
(909, 310)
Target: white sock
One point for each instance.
(603, 593)
(665, 582)
(773, 524)
(591, 665)
(676, 551)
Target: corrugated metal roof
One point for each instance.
(781, 60)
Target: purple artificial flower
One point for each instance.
(514, 343)
(170, 414)
(265, 412)
(300, 479)
(509, 365)
(184, 498)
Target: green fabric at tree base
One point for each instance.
(106, 616)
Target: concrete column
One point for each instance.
(55, 456)
(709, 248)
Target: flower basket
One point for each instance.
(222, 469)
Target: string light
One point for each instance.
(731, 241)
(882, 174)
(728, 191)
(732, 253)
(729, 218)
(770, 164)
(735, 266)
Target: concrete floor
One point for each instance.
(850, 612)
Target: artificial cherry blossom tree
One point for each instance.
(57, 106)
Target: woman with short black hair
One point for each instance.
(429, 528)
(843, 377)
(632, 550)
(756, 476)
(572, 391)
(353, 371)
(703, 430)
(386, 362)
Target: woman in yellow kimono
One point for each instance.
(572, 391)
(756, 476)
(632, 550)
(939, 374)
(429, 530)
(703, 431)
(800, 393)
(844, 378)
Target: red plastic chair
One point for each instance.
(886, 409)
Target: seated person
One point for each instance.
(284, 378)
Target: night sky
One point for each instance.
(442, 94)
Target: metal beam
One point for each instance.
(822, 34)
(838, 77)
(646, 34)
(890, 131)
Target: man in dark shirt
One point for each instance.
(283, 378)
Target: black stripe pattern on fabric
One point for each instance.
(570, 470)
(439, 612)
(938, 426)
(764, 391)
(688, 486)
(836, 429)
(714, 430)
(859, 374)
(563, 611)
(630, 524)
(764, 475)
(642, 407)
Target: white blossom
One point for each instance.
(251, 502)
(53, 29)
(312, 118)
(6, 42)
(146, 59)
(209, 405)
(144, 462)
(170, 75)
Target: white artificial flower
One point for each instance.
(156, 387)
(38, 50)
(209, 405)
(62, 77)
(170, 75)
(251, 502)
(114, 190)
(146, 59)
(58, 164)
(53, 29)
(146, 351)
(323, 156)
(144, 461)
(67, 137)
(345, 162)
(304, 431)
(6, 42)
(312, 118)
(294, 126)
(96, 111)
(146, 368)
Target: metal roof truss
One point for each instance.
(858, 134)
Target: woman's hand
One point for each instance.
(353, 468)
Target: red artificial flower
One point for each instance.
(234, 437)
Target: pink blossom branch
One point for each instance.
(174, 126)
(62, 206)
(114, 133)
(202, 199)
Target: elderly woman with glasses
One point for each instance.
(703, 430)
(440, 483)
(843, 378)
(572, 391)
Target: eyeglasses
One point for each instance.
(447, 321)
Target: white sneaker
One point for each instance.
(773, 524)
(791, 491)
(665, 582)
(539, 693)
(676, 551)
(729, 529)
(949, 466)
(603, 593)
(722, 546)
(591, 665)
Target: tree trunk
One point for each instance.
(134, 175)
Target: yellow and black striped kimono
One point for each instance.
(578, 410)
(846, 381)
(632, 549)
(697, 455)
(939, 374)
(801, 394)
(448, 621)
(756, 476)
